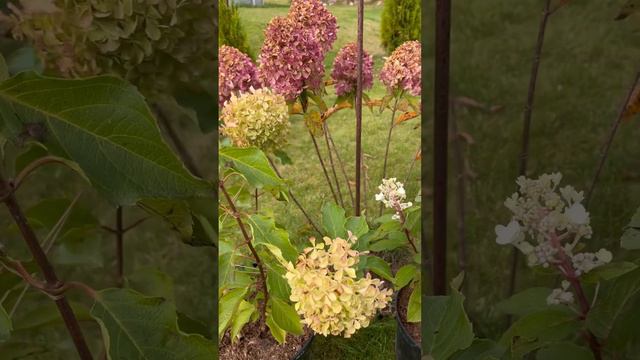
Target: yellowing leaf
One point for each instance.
(406, 116)
(633, 106)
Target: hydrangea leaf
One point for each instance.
(141, 327)
(264, 230)
(563, 351)
(357, 225)
(104, 125)
(245, 310)
(378, 266)
(334, 221)
(603, 316)
(253, 164)
(404, 275)
(285, 316)
(414, 311)
(5, 325)
(447, 328)
(276, 331)
(525, 302)
(228, 305)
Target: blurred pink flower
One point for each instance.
(402, 69)
(291, 59)
(236, 73)
(345, 70)
(313, 14)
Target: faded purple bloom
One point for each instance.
(313, 14)
(402, 69)
(345, 70)
(236, 73)
(290, 59)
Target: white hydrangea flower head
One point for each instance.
(392, 195)
(561, 295)
(547, 223)
(326, 291)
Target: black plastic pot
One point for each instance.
(406, 346)
(305, 350)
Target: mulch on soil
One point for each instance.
(254, 345)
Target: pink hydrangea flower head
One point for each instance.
(345, 70)
(402, 69)
(291, 59)
(313, 14)
(236, 73)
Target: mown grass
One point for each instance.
(588, 64)
(309, 184)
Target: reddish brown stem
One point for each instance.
(386, 150)
(295, 201)
(607, 144)
(360, 52)
(333, 166)
(403, 221)
(340, 163)
(324, 168)
(247, 238)
(440, 142)
(45, 266)
(526, 131)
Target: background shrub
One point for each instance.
(400, 22)
(231, 31)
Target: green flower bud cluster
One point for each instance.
(258, 118)
(155, 44)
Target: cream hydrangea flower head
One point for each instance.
(392, 195)
(326, 291)
(257, 118)
(547, 223)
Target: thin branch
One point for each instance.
(460, 190)
(360, 53)
(135, 224)
(119, 246)
(440, 145)
(604, 152)
(340, 163)
(403, 221)
(247, 238)
(526, 131)
(324, 169)
(295, 201)
(333, 166)
(386, 151)
(36, 164)
(186, 157)
(47, 269)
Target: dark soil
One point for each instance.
(412, 328)
(252, 345)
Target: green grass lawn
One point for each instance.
(309, 184)
(588, 64)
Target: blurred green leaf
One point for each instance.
(564, 351)
(378, 266)
(5, 325)
(140, 327)
(525, 302)
(414, 307)
(111, 134)
(253, 165)
(227, 307)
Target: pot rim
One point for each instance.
(305, 347)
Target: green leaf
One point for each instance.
(105, 126)
(227, 307)
(404, 275)
(357, 225)
(4, 69)
(203, 104)
(602, 317)
(539, 329)
(525, 302)
(253, 164)
(151, 281)
(5, 325)
(245, 310)
(379, 267)
(630, 239)
(446, 328)
(564, 351)
(414, 308)
(481, 349)
(276, 282)
(283, 156)
(608, 271)
(276, 331)
(394, 240)
(285, 316)
(265, 231)
(334, 221)
(139, 327)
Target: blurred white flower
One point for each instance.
(508, 234)
(392, 195)
(561, 295)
